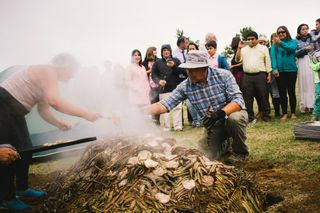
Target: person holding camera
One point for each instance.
(217, 98)
(168, 75)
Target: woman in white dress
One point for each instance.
(305, 75)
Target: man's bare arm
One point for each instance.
(155, 109)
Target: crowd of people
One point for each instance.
(218, 95)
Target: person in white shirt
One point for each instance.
(181, 51)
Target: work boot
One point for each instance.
(234, 159)
(15, 204)
(30, 192)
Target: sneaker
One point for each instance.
(30, 192)
(284, 117)
(15, 204)
(166, 129)
(258, 115)
(293, 116)
(266, 119)
(178, 129)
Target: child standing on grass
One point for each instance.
(316, 107)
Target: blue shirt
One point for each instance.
(219, 90)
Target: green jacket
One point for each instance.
(283, 57)
(316, 71)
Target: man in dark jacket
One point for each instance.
(168, 75)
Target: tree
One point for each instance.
(181, 33)
(227, 52)
(244, 32)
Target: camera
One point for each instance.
(247, 42)
(169, 59)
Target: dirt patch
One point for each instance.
(300, 189)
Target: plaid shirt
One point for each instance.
(219, 90)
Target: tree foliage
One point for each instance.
(227, 52)
(180, 33)
(244, 32)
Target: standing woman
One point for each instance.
(136, 80)
(284, 67)
(236, 67)
(305, 75)
(149, 60)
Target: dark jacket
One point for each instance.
(173, 76)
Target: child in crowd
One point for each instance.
(216, 60)
(315, 66)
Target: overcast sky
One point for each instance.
(32, 31)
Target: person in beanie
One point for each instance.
(217, 99)
(168, 75)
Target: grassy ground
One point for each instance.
(281, 164)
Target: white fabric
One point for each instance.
(306, 83)
(176, 114)
(177, 53)
(20, 86)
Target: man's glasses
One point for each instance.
(281, 32)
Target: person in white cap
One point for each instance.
(217, 98)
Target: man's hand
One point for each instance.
(269, 78)
(170, 64)
(64, 126)
(276, 74)
(92, 116)
(162, 83)
(7, 156)
(214, 119)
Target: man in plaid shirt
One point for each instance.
(216, 96)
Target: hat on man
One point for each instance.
(263, 38)
(195, 59)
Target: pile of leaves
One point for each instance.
(151, 174)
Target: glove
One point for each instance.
(213, 119)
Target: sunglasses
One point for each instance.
(281, 32)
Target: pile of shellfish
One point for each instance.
(151, 174)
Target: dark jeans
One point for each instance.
(287, 85)
(14, 131)
(18, 170)
(256, 85)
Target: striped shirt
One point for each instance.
(219, 90)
